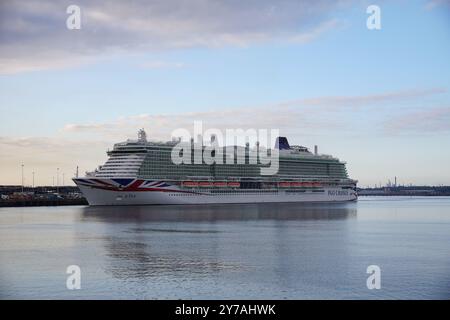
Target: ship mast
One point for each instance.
(142, 136)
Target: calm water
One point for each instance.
(234, 251)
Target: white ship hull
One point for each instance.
(105, 192)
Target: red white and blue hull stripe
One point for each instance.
(127, 185)
(131, 191)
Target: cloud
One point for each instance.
(33, 34)
(432, 4)
(33, 146)
(303, 117)
(316, 32)
(354, 102)
(162, 125)
(44, 154)
(431, 120)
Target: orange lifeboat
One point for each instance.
(234, 184)
(307, 184)
(220, 184)
(205, 184)
(285, 184)
(317, 184)
(296, 184)
(190, 184)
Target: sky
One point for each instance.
(377, 99)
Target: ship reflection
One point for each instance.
(193, 213)
(138, 260)
(144, 244)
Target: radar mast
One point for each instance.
(142, 136)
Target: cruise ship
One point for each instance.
(141, 172)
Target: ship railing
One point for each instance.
(277, 179)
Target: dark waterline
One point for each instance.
(269, 251)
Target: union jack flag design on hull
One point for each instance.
(137, 185)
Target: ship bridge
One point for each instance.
(125, 159)
(121, 165)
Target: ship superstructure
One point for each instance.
(143, 172)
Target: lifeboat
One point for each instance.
(285, 184)
(307, 184)
(234, 184)
(190, 184)
(296, 184)
(205, 184)
(317, 184)
(220, 184)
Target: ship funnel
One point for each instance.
(282, 143)
(316, 150)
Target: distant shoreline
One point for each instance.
(43, 203)
(406, 191)
(403, 195)
(83, 202)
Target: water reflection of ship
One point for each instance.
(147, 243)
(187, 213)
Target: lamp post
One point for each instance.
(57, 180)
(33, 179)
(22, 177)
